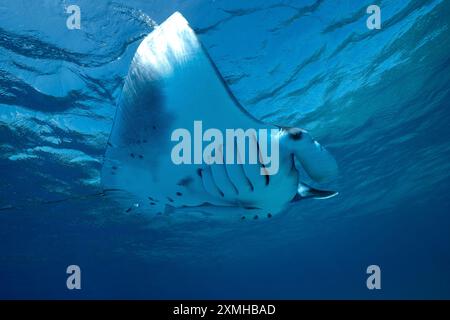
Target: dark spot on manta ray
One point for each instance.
(114, 167)
(154, 127)
(185, 181)
(109, 144)
(267, 179)
(152, 203)
(151, 199)
(128, 210)
(170, 199)
(252, 188)
(199, 172)
(269, 215)
(243, 218)
(159, 213)
(141, 156)
(262, 164)
(132, 155)
(144, 141)
(255, 217)
(179, 194)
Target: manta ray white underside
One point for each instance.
(171, 83)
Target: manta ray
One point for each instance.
(172, 82)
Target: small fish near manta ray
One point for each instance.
(172, 82)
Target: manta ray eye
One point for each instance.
(296, 135)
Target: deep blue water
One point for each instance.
(378, 99)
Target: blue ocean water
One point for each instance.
(377, 99)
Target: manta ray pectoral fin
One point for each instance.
(306, 191)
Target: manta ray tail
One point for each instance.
(306, 191)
